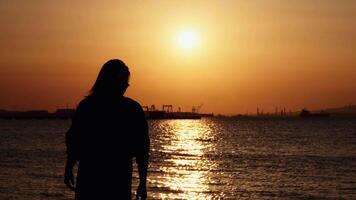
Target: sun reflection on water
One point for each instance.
(187, 175)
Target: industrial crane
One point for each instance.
(196, 109)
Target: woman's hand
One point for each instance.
(69, 178)
(141, 192)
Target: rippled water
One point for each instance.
(200, 159)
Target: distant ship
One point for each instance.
(306, 113)
(168, 113)
(171, 115)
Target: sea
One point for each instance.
(211, 158)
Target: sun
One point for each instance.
(188, 39)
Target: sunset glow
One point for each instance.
(232, 56)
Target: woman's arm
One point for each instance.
(72, 144)
(142, 155)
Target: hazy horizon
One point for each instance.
(247, 54)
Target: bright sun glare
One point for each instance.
(187, 39)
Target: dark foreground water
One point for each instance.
(199, 159)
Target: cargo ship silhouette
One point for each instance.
(306, 113)
(168, 113)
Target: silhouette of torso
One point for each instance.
(106, 133)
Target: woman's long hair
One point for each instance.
(112, 80)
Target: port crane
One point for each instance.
(167, 108)
(196, 109)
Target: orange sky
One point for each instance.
(295, 54)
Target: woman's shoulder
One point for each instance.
(85, 103)
(132, 103)
(89, 102)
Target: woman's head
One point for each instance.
(113, 79)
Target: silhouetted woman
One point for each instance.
(107, 132)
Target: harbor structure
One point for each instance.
(151, 112)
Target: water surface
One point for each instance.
(199, 159)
